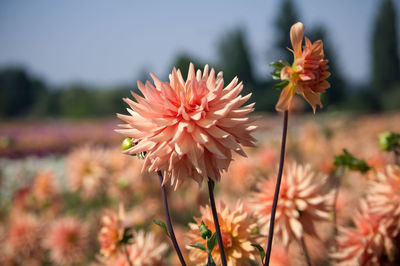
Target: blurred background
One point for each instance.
(66, 65)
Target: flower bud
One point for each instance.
(126, 144)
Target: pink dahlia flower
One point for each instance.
(303, 201)
(366, 244)
(188, 128)
(68, 240)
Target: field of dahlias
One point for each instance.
(69, 196)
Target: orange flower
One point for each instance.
(188, 128)
(307, 75)
(237, 225)
(111, 232)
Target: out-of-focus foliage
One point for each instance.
(385, 57)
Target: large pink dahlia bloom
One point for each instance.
(188, 128)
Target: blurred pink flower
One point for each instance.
(307, 76)
(147, 250)
(67, 240)
(87, 170)
(188, 128)
(24, 233)
(111, 232)
(384, 198)
(304, 200)
(237, 226)
(366, 243)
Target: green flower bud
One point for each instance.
(389, 141)
(126, 144)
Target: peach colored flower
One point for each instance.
(87, 170)
(111, 232)
(44, 187)
(67, 239)
(147, 250)
(24, 233)
(307, 75)
(384, 198)
(365, 244)
(303, 201)
(237, 226)
(188, 128)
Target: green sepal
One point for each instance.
(281, 85)
(199, 246)
(261, 250)
(211, 242)
(162, 225)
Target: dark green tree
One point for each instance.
(336, 93)
(234, 57)
(18, 92)
(286, 17)
(385, 54)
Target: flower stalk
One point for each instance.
(216, 223)
(169, 223)
(277, 188)
(304, 247)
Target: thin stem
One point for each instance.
(277, 187)
(304, 247)
(216, 223)
(168, 218)
(338, 182)
(127, 255)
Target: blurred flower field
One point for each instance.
(65, 186)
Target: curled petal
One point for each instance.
(296, 37)
(285, 98)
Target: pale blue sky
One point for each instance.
(106, 42)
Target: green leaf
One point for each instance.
(276, 74)
(279, 64)
(199, 246)
(210, 261)
(126, 236)
(389, 141)
(204, 231)
(261, 250)
(211, 242)
(162, 225)
(281, 85)
(349, 161)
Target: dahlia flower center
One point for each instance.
(226, 238)
(191, 96)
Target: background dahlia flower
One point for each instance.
(24, 233)
(111, 232)
(67, 239)
(304, 200)
(384, 198)
(307, 75)
(87, 170)
(367, 243)
(237, 226)
(188, 128)
(147, 250)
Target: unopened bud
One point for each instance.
(204, 231)
(126, 144)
